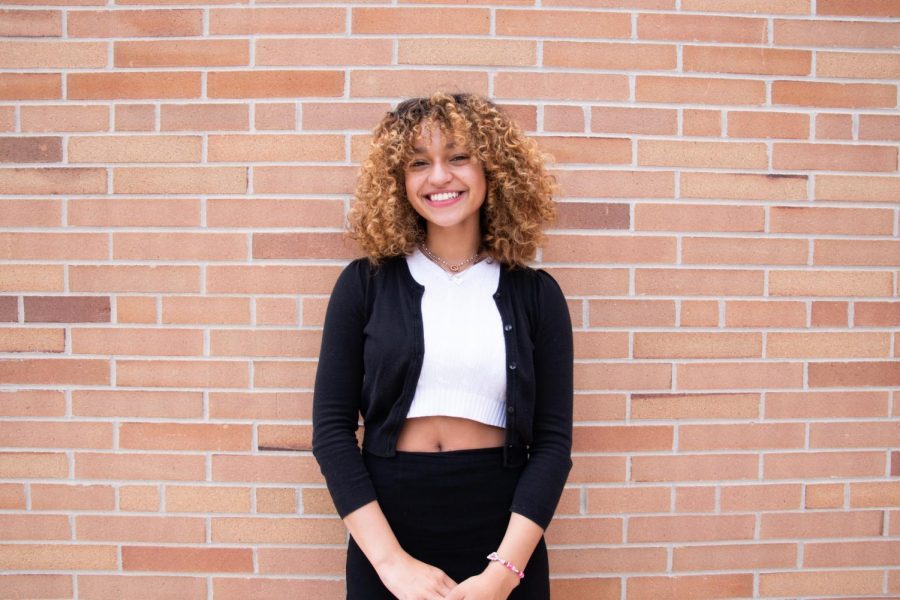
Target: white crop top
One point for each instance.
(463, 371)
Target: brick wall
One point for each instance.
(172, 192)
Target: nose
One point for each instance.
(439, 174)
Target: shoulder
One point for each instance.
(534, 280)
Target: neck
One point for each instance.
(453, 245)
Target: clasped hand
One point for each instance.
(411, 579)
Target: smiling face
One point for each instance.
(445, 184)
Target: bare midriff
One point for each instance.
(446, 434)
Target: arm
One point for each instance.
(402, 574)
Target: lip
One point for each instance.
(439, 203)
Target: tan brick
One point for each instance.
(609, 249)
(140, 498)
(740, 437)
(35, 527)
(135, 117)
(746, 375)
(100, 86)
(827, 345)
(53, 181)
(623, 313)
(271, 279)
(747, 60)
(382, 82)
(875, 493)
(870, 189)
(284, 52)
(694, 406)
(204, 309)
(829, 283)
(834, 157)
(207, 499)
(584, 560)
(67, 557)
(585, 531)
(617, 184)
(697, 467)
(248, 21)
(683, 528)
(135, 23)
(304, 561)
(116, 528)
(831, 220)
(317, 501)
(737, 155)
(277, 148)
(260, 405)
(698, 282)
(857, 252)
(615, 119)
(866, 8)
(30, 213)
(697, 345)
(184, 436)
(12, 496)
(44, 371)
(571, 149)
(77, 497)
(234, 588)
(179, 246)
(879, 127)
(276, 116)
(609, 56)
(823, 465)
(47, 434)
(289, 530)
(136, 309)
(304, 180)
(744, 251)
(591, 586)
(273, 212)
(788, 7)
(821, 582)
(702, 122)
(834, 127)
(654, 88)
(180, 180)
(558, 86)
(628, 500)
(33, 465)
(204, 117)
(853, 435)
(741, 186)
(761, 497)
(137, 341)
(182, 53)
(834, 95)
(52, 55)
(126, 149)
(276, 311)
(819, 405)
(145, 587)
(135, 466)
(734, 557)
(619, 376)
(31, 23)
(833, 33)
(850, 554)
(753, 124)
(683, 217)
(133, 278)
(37, 586)
(824, 495)
(126, 212)
(622, 438)
(265, 468)
(159, 373)
(32, 339)
(705, 28)
(440, 51)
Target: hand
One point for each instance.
(496, 582)
(411, 579)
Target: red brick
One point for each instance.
(32, 339)
(126, 149)
(30, 213)
(830, 314)
(339, 116)
(204, 117)
(204, 309)
(274, 84)
(439, 51)
(653, 88)
(861, 8)
(701, 122)
(57, 557)
(834, 95)
(697, 467)
(30, 149)
(135, 23)
(159, 373)
(145, 587)
(761, 497)
(698, 282)
(628, 500)
(50, 55)
(740, 186)
(689, 528)
(273, 212)
(36, 586)
(55, 371)
(831, 220)
(35, 527)
(179, 246)
(287, 342)
(624, 313)
(694, 406)
(697, 586)
(697, 345)
(33, 465)
(380, 83)
(101, 86)
(823, 465)
(824, 495)
(589, 215)
(834, 157)
(752, 124)
(562, 23)
(829, 283)
(754, 61)
(834, 127)
(745, 375)
(30, 86)
(53, 246)
(324, 51)
(67, 309)
(853, 374)
(737, 155)
(12, 496)
(284, 373)
(276, 500)
(601, 588)
(828, 345)
(695, 499)
(608, 56)
(420, 21)
(822, 405)
(869, 189)
(850, 554)
(622, 438)
(98, 465)
(248, 21)
(617, 119)
(883, 314)
(734, 557)
(178, 559)
(304, 180)
(278, 148)
(571, 149)
(276, 116)
(740, 437)
(286, 530)
(135, 117)
(133, 278)
(30, 23)
(180, 180)
(821, 524)
(47, 434)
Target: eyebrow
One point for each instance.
(421, 150)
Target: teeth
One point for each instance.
(443, 197)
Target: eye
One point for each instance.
(416, 163)
(459, 158)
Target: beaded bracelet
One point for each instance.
(494, 557)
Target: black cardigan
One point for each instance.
(371, 357)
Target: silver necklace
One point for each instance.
(443, 263)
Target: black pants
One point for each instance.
(450, 510)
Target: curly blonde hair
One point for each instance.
(518, 203)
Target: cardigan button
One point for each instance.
(511, 409)
(507, 327)
(512, 366)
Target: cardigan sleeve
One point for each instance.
(336, 397)
(550, 454)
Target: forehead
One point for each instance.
(429, 134)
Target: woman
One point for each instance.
(458, 357)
